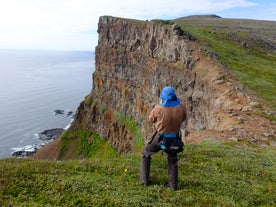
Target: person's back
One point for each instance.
(167, 117)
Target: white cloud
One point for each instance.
(65, 24)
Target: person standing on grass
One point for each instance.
(167, 118)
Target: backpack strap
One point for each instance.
(168, 135)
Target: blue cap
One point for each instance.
(169, 97)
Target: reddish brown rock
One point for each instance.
(136, 59)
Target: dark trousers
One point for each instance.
(150, 149)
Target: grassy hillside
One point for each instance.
(247, 47)
(210, 174)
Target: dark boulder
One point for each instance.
(23, 153)
(58, 112)
(69, 113)
(50, 134)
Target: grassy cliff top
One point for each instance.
(210, 174)
(247, 47)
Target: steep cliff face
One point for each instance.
(135, 60)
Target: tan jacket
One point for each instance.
(168, 119)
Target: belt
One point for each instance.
(168, 135)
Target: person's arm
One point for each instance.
(152, 116)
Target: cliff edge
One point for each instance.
(136, 59)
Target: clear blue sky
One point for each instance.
(72, 24)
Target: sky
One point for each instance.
(72, 24)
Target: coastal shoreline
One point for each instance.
(46, 137)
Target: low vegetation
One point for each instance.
(132, 126)
(78, 143)
(210, 174)
(248, 50)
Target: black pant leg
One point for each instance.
(172, 171)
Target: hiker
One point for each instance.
(167, 117)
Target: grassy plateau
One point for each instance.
(210, 174)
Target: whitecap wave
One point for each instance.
(67, 127)
(27, 148)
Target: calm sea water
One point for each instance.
(32, 85)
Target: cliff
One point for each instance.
(136, 59)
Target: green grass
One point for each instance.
(80, 143)
(88, 100)
(102, 108)
(210, 174)
(254, 66)
(131, 124)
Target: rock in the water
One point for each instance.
(46, 137)
(69, 113)
(23, 153)
(58, 112)
(50, 134)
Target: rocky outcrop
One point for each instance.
(46, 137)
(136, 59)
(50, 134)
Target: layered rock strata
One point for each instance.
(135, 60)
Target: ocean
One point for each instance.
(33, 84)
